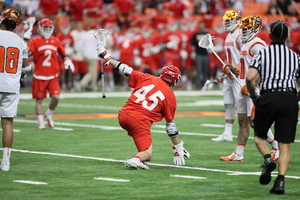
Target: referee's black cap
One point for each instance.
(279, 29)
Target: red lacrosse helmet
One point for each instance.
(46, 28)
(170, 74)
(12, 15)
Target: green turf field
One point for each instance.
(82, 158)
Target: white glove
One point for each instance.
(172, 44)
(69, 65)
(28, 26)
(183, 54)
(179, 154)
(104, 55)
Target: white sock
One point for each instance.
(240, 149)
(40, 118)
(228, 129)
(6, 154)
(49, 111)
(271, 140)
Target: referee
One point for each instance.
(276, 69)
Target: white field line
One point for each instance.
(15, 130)
(154, 164)
(112, 179)
(213, 125)
(192, 177)
(30, 182)
(119, 128)
(125, 94)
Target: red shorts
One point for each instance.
(80, 67)
(40, 88)
(139, 131)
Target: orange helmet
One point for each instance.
(249, 27)
(231, 20)
(12, 15)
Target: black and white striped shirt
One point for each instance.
(278, 66)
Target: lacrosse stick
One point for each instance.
(206, 42)
(28, 26)
(208, 82)
(101, 35)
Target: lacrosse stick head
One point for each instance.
(206, 42)
(101, 35)
(205, 86)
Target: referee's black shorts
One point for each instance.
(280, 108)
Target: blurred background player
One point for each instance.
(45, 50)
(77, 58)
(13, 67)
(231, 88)
(252, 44)
(65, 37)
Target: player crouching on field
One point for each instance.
(151, 100)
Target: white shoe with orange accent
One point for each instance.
(49, 120)
(233, 157)
(4, 165)
(222, 138)
(135, 164)
(42, 126)
(275, 154)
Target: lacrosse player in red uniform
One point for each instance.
(151, 100)
(45, 50)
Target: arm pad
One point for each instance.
(123, 69)
(171, 129)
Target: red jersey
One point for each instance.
(96, 7)
(76, 9)
(124, 6)
(45, 56)
(126, 51)
(177, 8)
(49, 7)
(152, 99)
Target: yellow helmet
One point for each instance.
(231, 20)
(13, 15)
(250, 26)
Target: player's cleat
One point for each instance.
(278, 187)
(4, 166)
(42, 126)
(269, 166)
(135, 164)
(233, 157)
(223, 137)
(49, 120)
(275, 154)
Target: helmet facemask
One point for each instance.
(249, 27)
(231, 20)
(46, 28)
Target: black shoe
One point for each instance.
(278, 187)
(265, 176)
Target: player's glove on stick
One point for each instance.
(244, 90)
(179, 154)
(234, 69)
(69, 65)
(104, 55)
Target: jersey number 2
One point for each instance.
(142, 93)
(9, 59)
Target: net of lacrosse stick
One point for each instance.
(206, 42)
(101, 35)
(208, 82)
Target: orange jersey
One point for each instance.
(152, 98)
(45, 55)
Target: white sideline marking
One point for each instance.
(62, 129)
(30, 182)
(154, 164)
(15, 130)
(193, 177)
(112, 179)
(213, 125)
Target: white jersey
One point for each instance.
(12, 50)
(248, 51)
(77, 36)
(232, 48)
(233, 44)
